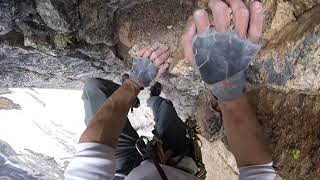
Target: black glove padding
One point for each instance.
(222, 59)
(143, 71)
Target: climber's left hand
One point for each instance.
(149, 65)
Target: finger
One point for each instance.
(186, 41)
(201, 20)
(150, 50)
(256, 21)
(162, 70)
(158, 53)
(169, 61)
(161, 59)
(142, 51)
(240, 17)
(221, 15)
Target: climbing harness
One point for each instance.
(193, 129)
(155, 151)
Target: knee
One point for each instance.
(165, 103)
(92, 85)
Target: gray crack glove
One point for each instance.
(222, 59)
(143, 71)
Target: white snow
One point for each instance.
(51, 121)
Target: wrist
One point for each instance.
(230, 89)
(231, 104)
(136, 81)
(133, 84)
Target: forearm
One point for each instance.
(244, 133)
(106, 126)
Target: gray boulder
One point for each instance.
(290, 60)
(7, 15)
(97, 21)
(26, 68)
(59, 15)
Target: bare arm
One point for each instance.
(95, 156)
(106, 126)
(222, 56)
(244, 133)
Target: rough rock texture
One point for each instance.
(97, 21)
(292, 123)
(8, 104)
(290, 60)
(208, 115)
(301, 6)
(218, 159)
(59, 15)
(25, 68)
(149, 22)
(7, 15)
(24, 166)
(37, 36)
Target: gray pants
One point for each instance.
(169, 127)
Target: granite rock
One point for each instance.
(59, 15)
(7, 15)
(97, 21)
(290, 60)
(25, 68)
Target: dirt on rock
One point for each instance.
(150, 22)
(292, 123)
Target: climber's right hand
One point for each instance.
(149, 65)
(222, 54)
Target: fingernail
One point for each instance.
(258, 6)
(200, 12)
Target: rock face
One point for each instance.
(97, 21)
(16, 166)
(7, 16)
(59, 15)
(60, 43)
(148, 23)
(290, 60)
(24, 68)
(291, 121)
(8, 104)
(301, 6)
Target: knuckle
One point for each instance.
(154, 54)
(165, 55)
